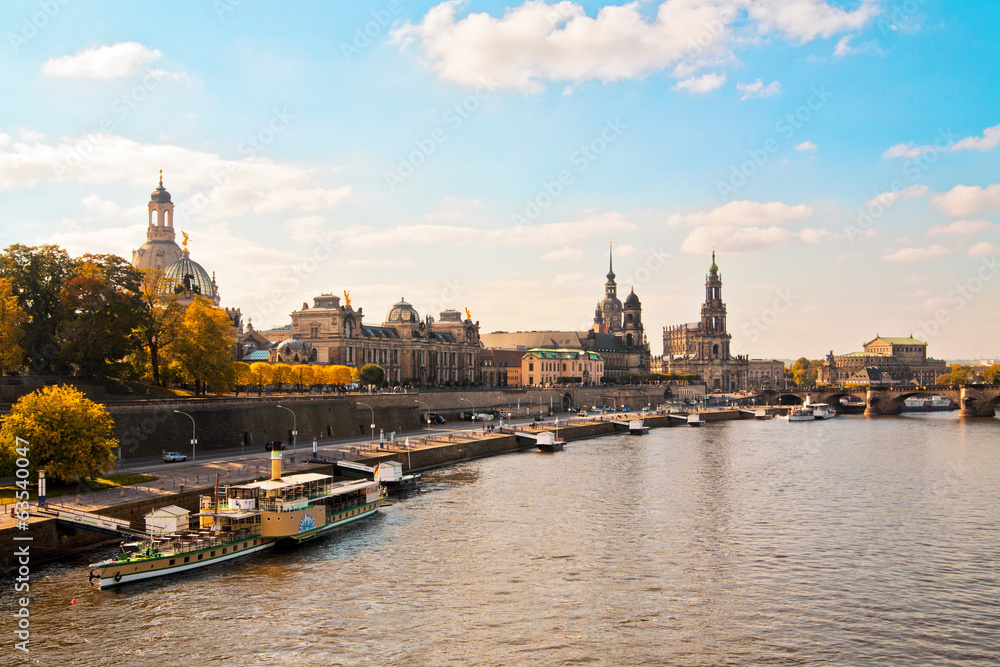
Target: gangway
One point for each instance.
(106, 525)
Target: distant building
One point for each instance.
(897, 360)
(617, 334)
(410, 349)
(702, 348)
(542, 366)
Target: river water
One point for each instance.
(846, 542)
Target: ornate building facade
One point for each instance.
(896, 360)
(617, 334)
(410, 349)
(702, 348)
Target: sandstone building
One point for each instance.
(891, 360)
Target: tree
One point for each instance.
(262, 374)
(101, 305)
(12, 320)
(992, 374)
(371, 375)
(68, 435)
(37, 275)
(804, 372)
(340, 375)
(203, 352)
(158, 325)
(281, 374)
(959, 375)
(302, 374)
(244, 377)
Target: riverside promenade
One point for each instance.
(182, 483)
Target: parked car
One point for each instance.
(280, 446)
(171, 457)
(436, 418)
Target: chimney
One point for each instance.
(276, 462)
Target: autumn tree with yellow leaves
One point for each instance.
(12, 319)
(67, 434)
(203, 352)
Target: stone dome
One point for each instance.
(611, 305)
(160, 195)
(632, 301)
(402, 313)
(187, 275)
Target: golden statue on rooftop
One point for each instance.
(468, 315)
(347, 299)
(185, 242)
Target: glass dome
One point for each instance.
(402, 313)
(186, 275)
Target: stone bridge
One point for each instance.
(973, 400)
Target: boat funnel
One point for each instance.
(276, 463)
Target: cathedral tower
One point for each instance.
(611, 307)
(713, 317)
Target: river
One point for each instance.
(854, 541)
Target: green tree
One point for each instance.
(66, 434)
(203, 352)
(12, 320)
(804, 371)
(101, 305)
(371, 375)
(37, 275)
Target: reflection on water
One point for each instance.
(851, 541)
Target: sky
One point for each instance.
(841, 158)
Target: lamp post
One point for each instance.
(502, 398)
(473, 407)
(295, 433)
(194, 439)
(428, 412)
(365, 405)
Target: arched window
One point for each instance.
(715, 350)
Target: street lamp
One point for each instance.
(373, 419)
(504, 399)
(295, 432)
(194, 439)
(473, 407)
(428, 412)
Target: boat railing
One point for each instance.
(170, 545)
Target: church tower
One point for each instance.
(632, 332)
(715, 338)
(160, 249)
(611, 307)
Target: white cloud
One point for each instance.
(103, 62)
(805, 146)
(731, 238)
(915, 254)
(843, 48)
(915, 279)
(307, 228)
(890, 198)
(745, 213)
(937, 302)
(758, 89)
(569, 279)
(537, 42)
(203, 184)
(982, 249)
(968, 200)
(109, 209)
(806, 19)
(701, 84)
(961, 227)
(566, 254)
(907, 150)
(987, 142)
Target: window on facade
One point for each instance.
(531, 366)
(350, 355)
(314, 331)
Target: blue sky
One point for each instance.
(841, 157)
